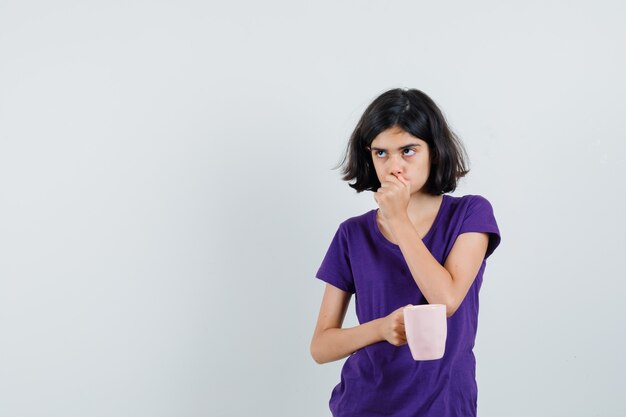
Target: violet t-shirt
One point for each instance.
(382, 379)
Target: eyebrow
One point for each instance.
(400, 148)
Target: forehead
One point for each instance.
(396, 137)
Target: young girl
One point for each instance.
(420, 246)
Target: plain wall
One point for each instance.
(167, 195)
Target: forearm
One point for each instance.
(334, 344)
(433, 280)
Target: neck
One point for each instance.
(421, 204)
(421, 210)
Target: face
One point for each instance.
(395, 151)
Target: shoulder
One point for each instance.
(475, 214)
(470, 202)
(468, 199)
(352, 232)
(358, 222)
(356, 228)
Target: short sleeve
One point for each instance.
(479, 217)
(335, 268)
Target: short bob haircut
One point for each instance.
(417, 114)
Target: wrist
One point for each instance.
(378, 327)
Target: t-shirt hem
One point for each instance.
(494, 237)
(333, 281)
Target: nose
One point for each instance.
(396, 165)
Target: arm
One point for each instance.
(331, 342)
(446, 284)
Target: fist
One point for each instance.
(393, 196)
(392, 327)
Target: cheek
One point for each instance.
(423, 168)
(377, 167)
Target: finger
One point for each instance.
(401, 179)
(387, 183)
(391, 177)
(404, 182)
(384, 191)
(397, 181)
(388, 186)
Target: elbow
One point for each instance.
(315, 354)
(315, 358)
(317, 361)
(319, 355)
(451, 308)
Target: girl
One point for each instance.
(420, 246)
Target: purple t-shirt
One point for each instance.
(382, 379)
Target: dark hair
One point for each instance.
(417, 114)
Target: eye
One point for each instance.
(412, 152)
(378, 153)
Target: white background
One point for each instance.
(167, 195)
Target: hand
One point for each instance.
(392, 327)
(393, 196)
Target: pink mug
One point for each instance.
(426, 330)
